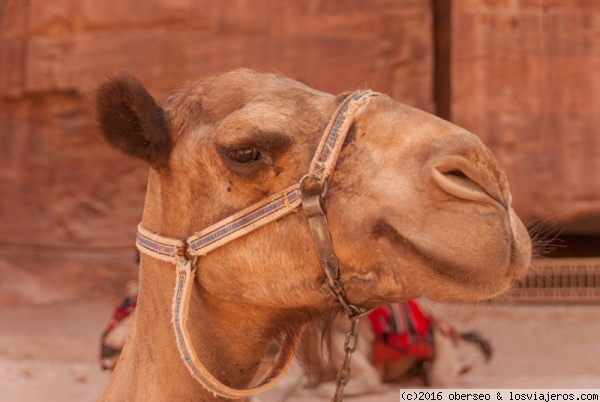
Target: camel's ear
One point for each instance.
(132, 121)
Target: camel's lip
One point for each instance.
(445, 268)
(516, 269)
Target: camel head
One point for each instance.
(416, 205)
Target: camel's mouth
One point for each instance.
(467, 285)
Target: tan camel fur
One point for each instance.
(416, 207)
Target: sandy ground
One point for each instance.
(49, 352)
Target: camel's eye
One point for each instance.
(244, 156)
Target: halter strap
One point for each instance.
(245, 221)
(183, 290)
(335, 134)
(257, 215)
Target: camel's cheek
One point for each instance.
(275, 266)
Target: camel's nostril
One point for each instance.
(457, 173)
(463, 180)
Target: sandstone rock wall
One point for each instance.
(69, 204)
(526, 79)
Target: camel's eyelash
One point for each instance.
(244, 156)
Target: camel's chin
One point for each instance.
(468, 294)
(445, 291)
(463, 283)
(411, 278)
(496, 272)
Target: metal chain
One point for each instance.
(350, 344)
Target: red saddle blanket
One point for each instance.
(126, 307)
(401, 330)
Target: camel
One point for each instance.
(415, 206)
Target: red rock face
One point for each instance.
(525, 79)
(69, 204)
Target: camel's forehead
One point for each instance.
(251, 82)
(242, 85)
(212, 99)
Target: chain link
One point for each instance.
(351, 341)
(336, 289)
(350, 344)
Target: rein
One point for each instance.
(184, 254)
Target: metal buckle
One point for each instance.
(309, 189)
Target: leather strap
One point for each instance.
(319, 230)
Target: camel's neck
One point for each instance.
(230, 341)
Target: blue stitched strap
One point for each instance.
(161, 247)
(330, 146)
(257, 215)
(245, 221)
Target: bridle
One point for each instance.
(184, 253)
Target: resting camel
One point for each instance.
(451, 357)
(397, 204)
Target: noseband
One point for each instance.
(186, 252)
